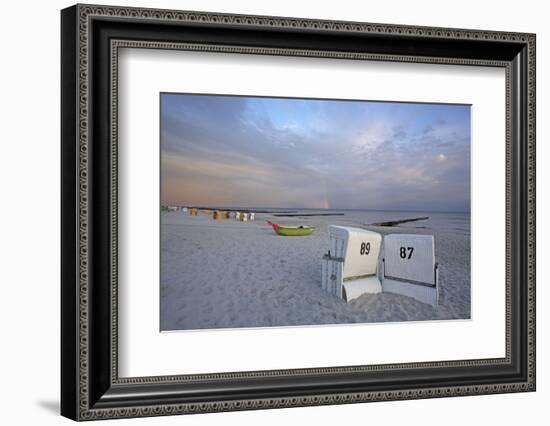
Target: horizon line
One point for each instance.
(217, 207)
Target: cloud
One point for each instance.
(219, 150)
(371, 137)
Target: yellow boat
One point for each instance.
(292, 231)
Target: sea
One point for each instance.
(449, 223)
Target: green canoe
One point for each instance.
(292, 231)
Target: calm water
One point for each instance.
(457, 223)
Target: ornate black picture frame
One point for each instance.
(90, 38)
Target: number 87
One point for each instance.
(406, 252)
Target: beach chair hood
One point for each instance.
(409, 267)
(410, 257)
(359, 248)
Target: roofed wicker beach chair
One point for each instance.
(409, 267)
(350, 268)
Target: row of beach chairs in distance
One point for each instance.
(243, 217)
(216, 214)
(358, 262)
(219, 214)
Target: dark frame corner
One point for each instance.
(90, 386)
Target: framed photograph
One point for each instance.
(263, 212)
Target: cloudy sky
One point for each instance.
(292, 153)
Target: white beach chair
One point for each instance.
(409, 267)
(350, 268)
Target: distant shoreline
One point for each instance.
(297, 210)
(307, 214)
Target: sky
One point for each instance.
(235, 151)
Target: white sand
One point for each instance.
(217, 274)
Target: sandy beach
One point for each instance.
(230, 274)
